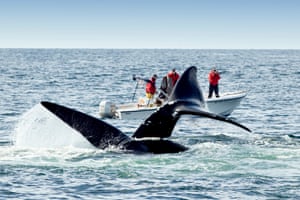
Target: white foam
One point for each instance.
(39, 128)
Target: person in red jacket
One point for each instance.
(213, 78)
(150, 87)
(172, 78)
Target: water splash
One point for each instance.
(38, 128)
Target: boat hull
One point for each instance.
(135, 112)
(226, 104)
(223, 105)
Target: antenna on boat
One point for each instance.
(136, 86)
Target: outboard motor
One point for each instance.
(107, 109)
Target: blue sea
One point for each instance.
(223, 161)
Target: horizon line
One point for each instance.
(130, 48)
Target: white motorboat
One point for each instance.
(223, 105)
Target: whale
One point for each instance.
(151, 136)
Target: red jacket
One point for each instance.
(213, 78)
(173, 76)
(150, 86)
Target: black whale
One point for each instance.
(186, 98)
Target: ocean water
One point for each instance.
(223, 161)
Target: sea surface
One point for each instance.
(223, 161)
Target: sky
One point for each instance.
(150, 24)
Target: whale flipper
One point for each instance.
(195, 111)
(97, 132)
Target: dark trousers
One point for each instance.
(213, 88)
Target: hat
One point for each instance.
(154, 76)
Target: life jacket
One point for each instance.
(213, 78)
(150, 86)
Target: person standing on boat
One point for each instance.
(150, 87)
(172, 78)
(213, 79)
